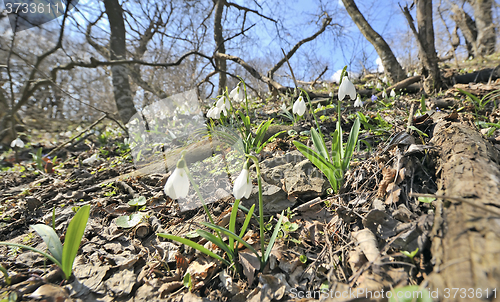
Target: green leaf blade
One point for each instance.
(51, 239)
(74, 235)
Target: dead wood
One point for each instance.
(466, 238)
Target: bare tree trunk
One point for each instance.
(425, 40)
(391, 64)
(486, 36)
(121, 84)
(467, 26)
(219, 42)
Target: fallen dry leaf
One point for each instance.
(250, 264)
(393, 192)
(367, 243)
(388, 177)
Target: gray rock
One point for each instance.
(284, 175)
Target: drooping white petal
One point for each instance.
(283, 107)
(384, 79)
(91, 160)
(237, 94)
(415, 74)
(409, 74)
(347, 88)
(242, 185)
(358, 102)
(393, 94)
(299, 107)
(177, 185)
(221, 102)
(17, 143)
(384, 94)
(379, 86)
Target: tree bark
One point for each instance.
(391, 64)
(121, 84)
(425, 39)
(219, 42)
(486, 35)
(468, 28)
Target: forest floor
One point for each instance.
(411, 194)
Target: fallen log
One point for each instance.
(466, 235)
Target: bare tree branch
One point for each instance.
(246, 9)
(252, 71)
(326, 22)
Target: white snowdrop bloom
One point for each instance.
(409, 74)
(330, 94)
(299, 107)
(347, 88)
(223, 103)
(393, 94)
(384, 79)
(384, 94)
(283, 107)
(242, 185)
(358, 102)
(17, 143)
(91, 160)
(214, 113)
(415, 74)
(177, 185)
(237, 94)
(379, 86)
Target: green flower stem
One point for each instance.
(312, 112)
(195, 186)
(261, 203)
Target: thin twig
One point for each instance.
(76, 136)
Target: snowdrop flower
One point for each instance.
(384, 94)
(283, 107)
(415, 74)
(177, 185)
(223, 103)
(330, 94)
(17, 143)
(91, 160)
(237, 94)
(242, 185)
(214, 113)
(347, 88)
(358, 102)
(393, 94)
(384, 79)
(379, 86)
(299, 107)
(409, 74)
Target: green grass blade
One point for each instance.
(73, 236)
(319, 144)
(195, 246)
(216, 240)
(51, 239)
(231, 234)
(324, 166)
(27, 247)
(258, 150)
(473, 97)
(5, 274)
(351, 144)
(261, 131)
(247, 221)
(232, 222)
(277, 228)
